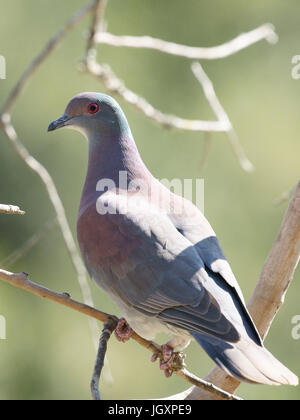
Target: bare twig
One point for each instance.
(29, 244)
(54, 197)
(97, 24)
(264, 32)
(34, 165)
(8, 209)
(221, 115)
(209, 92)
(96, 6)
(107, 331)
(239, 151)
(269, 293)
(22, 281)
(223, 124)
(208, 387)
(279, 268)
(41, 57)
(117, 87)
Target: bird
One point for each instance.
(156, 255)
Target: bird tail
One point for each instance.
(247, 361)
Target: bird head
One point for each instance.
(92, 113)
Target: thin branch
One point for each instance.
(209, 92)
(239, 151)
(269, 294)
(22, 281)
(279, 269)
(223, 124)
(97, 24)
(54, 197)
(8, 209)
(107, 331)
(29, 244)
(41, 57)
(117, 87)
(34, 165)
(221, 115)
(207, 387)
(264, 32)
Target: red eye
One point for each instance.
(93, 108)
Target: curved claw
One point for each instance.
(170, 361)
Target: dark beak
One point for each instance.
(60, 122)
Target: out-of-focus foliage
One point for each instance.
(48, 352)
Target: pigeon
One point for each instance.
(156, 255)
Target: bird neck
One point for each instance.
(113, 160)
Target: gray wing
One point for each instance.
(164, 276)
(194, 226)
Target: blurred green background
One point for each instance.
(48, 353)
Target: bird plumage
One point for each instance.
(157, 256)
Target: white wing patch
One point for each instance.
(223, 268)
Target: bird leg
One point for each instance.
(123, 332)
(170, 361)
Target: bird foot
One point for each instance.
(123, 332)
(170, 361)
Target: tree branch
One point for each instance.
(8, 209)
(22, 281)
(36, 166)
(107, 331)
(117, 87)
(242, 41)
(221, 115)
(43, 55)
(97, 24)
(54, 197)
